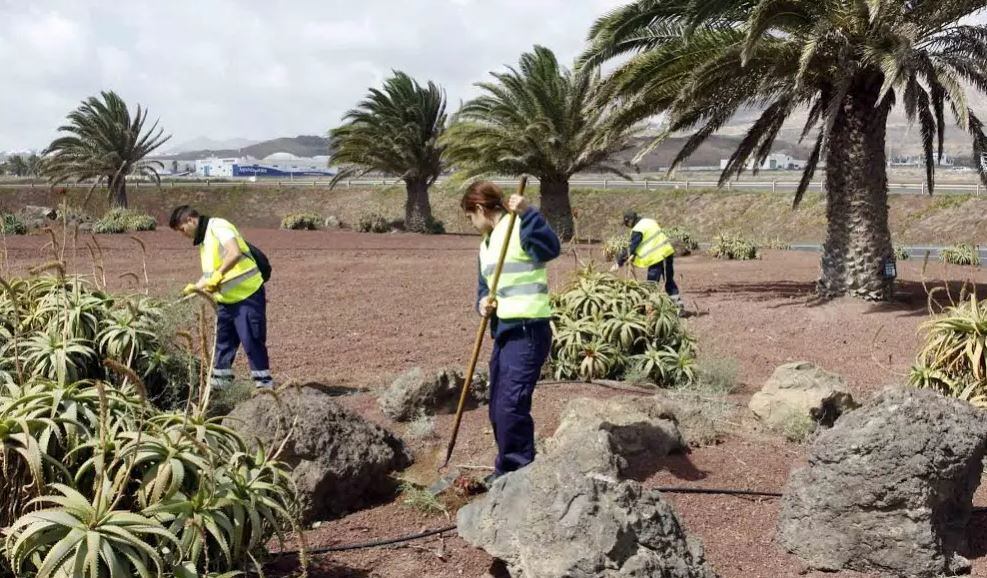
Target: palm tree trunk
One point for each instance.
(556, 207)
(858, 239)
(118, 192)
(417, 209)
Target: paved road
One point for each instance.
(915, 251)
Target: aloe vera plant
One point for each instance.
(97, 481)
(614, 245)
(86, 538)
(962, 254)
(61, 328)
(733, 248)
(604, 324)
(953, 358)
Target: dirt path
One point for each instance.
(354, 310)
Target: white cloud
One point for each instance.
(258, 69)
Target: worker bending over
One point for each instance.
(520, 314)
(231, 274)
(650, 248)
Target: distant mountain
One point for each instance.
(902, 140)
(902, 137)
(709, 154)
(206, 143)
(302, 146)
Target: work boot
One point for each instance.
(498, 569)
(679, 305)
(489, 480)
(221, 379)
(262, 379)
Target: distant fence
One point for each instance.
(775, 186)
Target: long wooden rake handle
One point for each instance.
(478, 342)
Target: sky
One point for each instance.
(258, 69)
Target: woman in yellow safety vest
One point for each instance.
(520, 314)
(650, 249)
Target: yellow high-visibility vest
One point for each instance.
(240, 282)
(655, 246)
(522, 292)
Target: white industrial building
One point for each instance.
(176, 167)
(276, 165)
(918, 161)
(773, 162)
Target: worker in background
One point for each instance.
(650, 248)
(520, 314)
(230, 273)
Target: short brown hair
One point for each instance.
(482, 194)
(180, 215)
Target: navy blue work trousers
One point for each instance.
(243, 323)
(664, 268)
(515, 366)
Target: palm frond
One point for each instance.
(394, 130)
(698, 62)
(103, 142)
(538, 118)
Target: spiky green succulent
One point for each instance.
(603, 324)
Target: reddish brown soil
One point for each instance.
(353, 310)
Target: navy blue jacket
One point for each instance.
(541, 243)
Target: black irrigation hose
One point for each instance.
(373, 544)
(427, 533)
(726, 492)
(377, 543)
(730, 492)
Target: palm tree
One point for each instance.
(845, 61)
(105, 143)
(17, 166)
(34, 165)
(395, 131)
(543, 120)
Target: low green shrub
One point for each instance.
(733, 248)
(716, 375)
(421, 499)
(421, 428)
(961, 254)
(302, 222)
(683, 240)
(11, 224)
(434, 226)
(797, 427)
(373, 223)
(776, 244)
(901, 254)
(117, 221)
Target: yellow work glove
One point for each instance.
(189, 289)
(212, 285)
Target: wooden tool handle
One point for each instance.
(478, 342)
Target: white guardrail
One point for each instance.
(918, 188)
